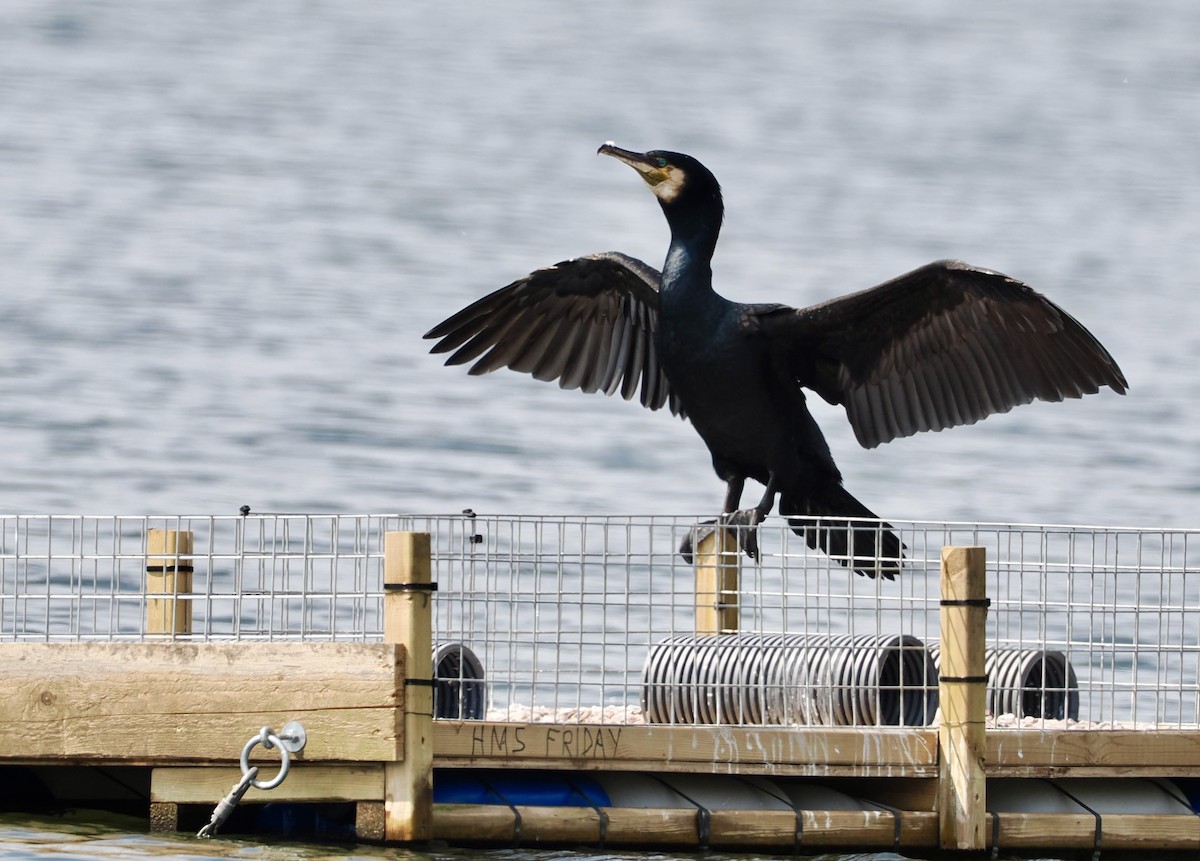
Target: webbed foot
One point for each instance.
(693, 537)
(745, 523)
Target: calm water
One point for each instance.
(224, 227)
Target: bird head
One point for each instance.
(685, 188)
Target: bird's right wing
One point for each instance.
(588, 323)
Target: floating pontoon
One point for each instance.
(571, 680)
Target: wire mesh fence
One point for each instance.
(67, 577)
(595, 618)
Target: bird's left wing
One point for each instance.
(588, 323)
(944, 345)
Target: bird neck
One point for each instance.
(696, 224)
(685, 271)
(694, 234)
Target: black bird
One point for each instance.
(944, 345)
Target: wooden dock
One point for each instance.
(169, 718)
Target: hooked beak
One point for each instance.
(665, 180)
(636, 160)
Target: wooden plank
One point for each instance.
(408, 620)
(1095, 753)
(962, 695)
(664, 827)
(775, 829)
(866, 829)
(808, 751)
(1119, 831)
(497, 824)
(163, 703)
(305, 783)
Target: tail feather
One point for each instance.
(876, 552)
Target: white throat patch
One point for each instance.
(667, 182)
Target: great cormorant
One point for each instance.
(944, 345)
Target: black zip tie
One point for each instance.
(703, 815)
(1099, 830)
(799, 838)
(965, 680)
(516, 813)
(995, 835)
(410, 587)
(160, 569)
(421, 683)
(603, 817)
(895, 820)
(966, 602)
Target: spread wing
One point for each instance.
(588, 323)
(944, 345)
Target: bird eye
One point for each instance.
(662, 162)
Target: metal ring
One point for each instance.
(268, 740)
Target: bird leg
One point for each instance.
(743, 521)
(733, 493)
(746, 520)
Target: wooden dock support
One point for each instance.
(717, 582)
(408, 620)
(962, 692)
(675, 827)
(168, 573)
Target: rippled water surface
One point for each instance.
(224, 227)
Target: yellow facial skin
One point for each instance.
(665, 180)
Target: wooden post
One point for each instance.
(408, 621)
(717, 578)
(962, 692)
(168, 572)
